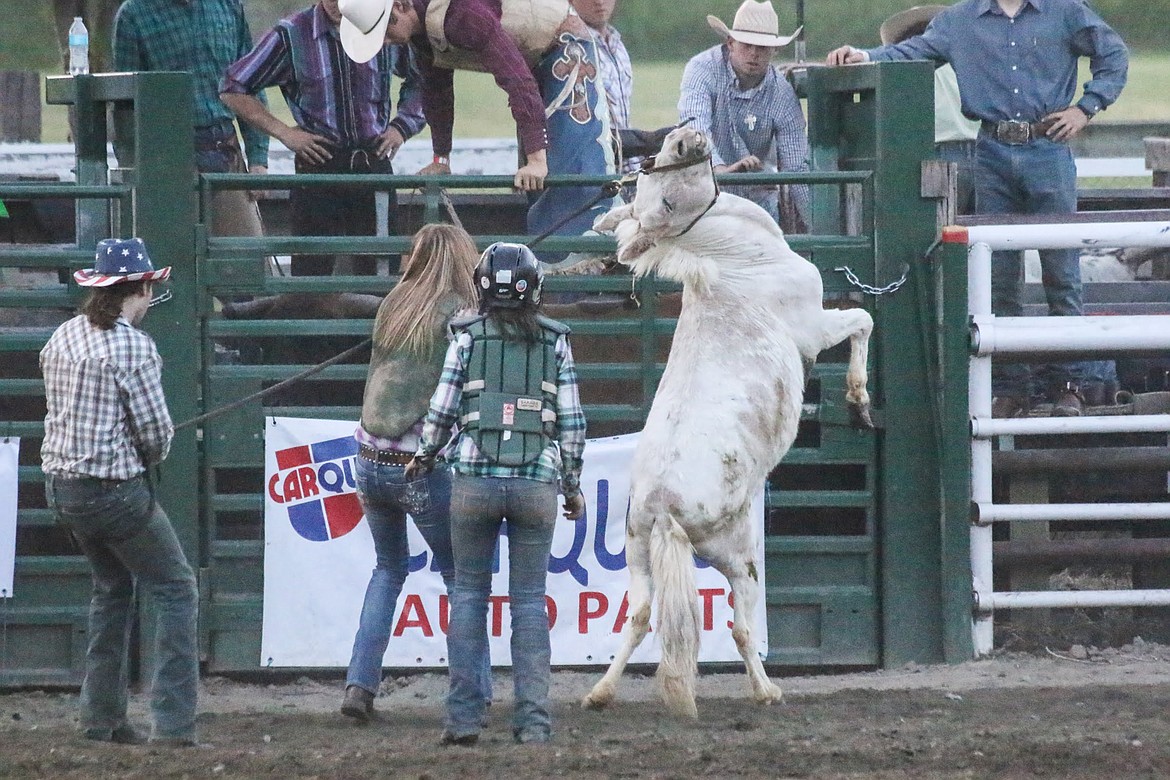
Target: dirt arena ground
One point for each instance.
(1080, 713)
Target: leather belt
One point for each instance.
(384, 457)
(1013, 133)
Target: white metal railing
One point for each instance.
(1022, 335)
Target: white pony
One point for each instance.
(727, 408)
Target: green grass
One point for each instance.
(482, 107)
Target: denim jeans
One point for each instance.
(1034, 178)
(479, 506)
(128, 539)
(381, 489)
(578, 140)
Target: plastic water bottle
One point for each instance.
(78, 47)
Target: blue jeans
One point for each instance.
(479, 506)
(1039, 177)
(381, 489)
(578, 138)
(128, 539)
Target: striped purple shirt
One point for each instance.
(106, 409)
(328, 93)
(475, 25)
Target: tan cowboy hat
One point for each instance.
(363, 27)
(755, 23)
(908, 23)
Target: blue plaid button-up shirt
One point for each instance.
(560, 458)
(765, 121)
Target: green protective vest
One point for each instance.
(509, 404)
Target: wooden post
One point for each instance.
(1158, 159)
(20, 106)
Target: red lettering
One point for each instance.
(413, 616)
(272, 489)
(496, 614)
(590, 604)
(731, 603)
(551, 606)
(308, 479)
(622, 614)
(444, 613)
(708, 596)
(292, 486)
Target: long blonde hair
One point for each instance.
(441, 264)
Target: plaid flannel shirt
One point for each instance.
(202, 37)
(107, 416)
(563, 460)
(765, 121)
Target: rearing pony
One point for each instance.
(727, 408)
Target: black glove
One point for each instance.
(419, 466)
(640, 143)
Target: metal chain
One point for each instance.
(866, 288)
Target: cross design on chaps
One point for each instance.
(575, 64)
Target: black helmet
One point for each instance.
(509, 277)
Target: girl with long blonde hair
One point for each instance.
(410, 340)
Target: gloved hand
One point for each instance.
(419, 466)
(574, 506)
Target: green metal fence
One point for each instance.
(865, 532)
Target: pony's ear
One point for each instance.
(648, 163)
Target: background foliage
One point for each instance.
(653, 29)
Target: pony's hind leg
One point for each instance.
(637, 625)
(740, 570)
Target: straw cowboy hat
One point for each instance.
(908, 23)
(363, 27)
(756, 24)
(120, 260)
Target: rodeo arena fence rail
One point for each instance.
(868, 543)
(1049, 337)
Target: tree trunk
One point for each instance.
(20, 105)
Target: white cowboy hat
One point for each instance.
(908, 23)
(755, 23)
(363, 27)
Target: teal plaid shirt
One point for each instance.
(202, 37)
(563, 460)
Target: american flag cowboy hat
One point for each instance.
(120, 260)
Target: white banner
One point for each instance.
(318, 555)
(9, 482)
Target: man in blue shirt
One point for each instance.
(1016, 64)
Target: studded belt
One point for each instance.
(384, 457)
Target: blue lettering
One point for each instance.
(607, 559)
(331, 478)
(347, 467)
(570, 562)
(418, 562)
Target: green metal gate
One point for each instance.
(866, 531)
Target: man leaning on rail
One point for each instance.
(1016, 64)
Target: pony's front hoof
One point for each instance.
(859, 417)
(597, 699)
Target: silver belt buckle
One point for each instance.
(1009, 131)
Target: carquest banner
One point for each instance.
(318, 555)
(9, 481)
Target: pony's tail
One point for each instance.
(678, 615)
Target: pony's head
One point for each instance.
(682, 146)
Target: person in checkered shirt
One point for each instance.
(107, 424)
